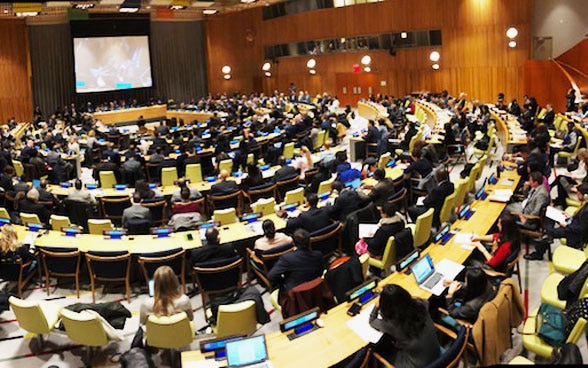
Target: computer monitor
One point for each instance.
(246, 352)
(363, 292)
(31, 226)
(218, 345)
(408, 260)
(36, 183)
(299, 320)
(354, 184)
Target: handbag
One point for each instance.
(551, 325)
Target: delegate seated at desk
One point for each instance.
(212, 250)
(224, 187)
(312, 220)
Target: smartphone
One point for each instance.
(354, 309)
(189, 237)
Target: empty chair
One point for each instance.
(388, 258)
(448, 206)
(57, 222)
(137, 226)
(266, 206)
(109, 266)
(421, 230)
(294, 196)
(98, 226)
(261, 191)
(194, 173)
(236, 319)
(61, 262)
(107, 179)
(169, 332)
(19, 271)
(534, 344)
(233, 200)
(383, 160)
(226, 165)
(79, 212)
(37, 317)
(288, 150)
(4, 213)
(153, 170)
(30, 218)
(18, 168)
(325, 186)
(225, 217)
(327, 240)
(169, 175)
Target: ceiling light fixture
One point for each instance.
(435, 56)
(366, 60)
(311, 63)
(227, 76)
(512, 32)
(268, 74)
(435, 66)
(266, 66)
(209, 11)
(226, 69)
(403, 35)
(312, 71)
(512, 44)
(367, 69)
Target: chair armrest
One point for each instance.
(460, 321)
(447, 331)
(493, 273)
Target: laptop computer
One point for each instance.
(430, 278)
(250, 352)
(354, 184)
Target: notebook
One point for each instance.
(430, 278)
(247, 352)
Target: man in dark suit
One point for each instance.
(297, 267)
(285, 171)
(575, 230)
(212, 250)
(225, 186)
(373, 134)
(31, 204)
(435, 199)
(346, 202)
(312, 220)
(383, 189)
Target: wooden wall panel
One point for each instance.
(577, 57)
(475, 57)
(15, 88)
(545, 81)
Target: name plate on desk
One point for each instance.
(65, 185)
(301, 324)
(70, 231)
(4, 221)
(162, 232)
(33, 227)
(91, 186)
(465, 213)
(114, 234)
(120, 186)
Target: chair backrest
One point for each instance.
(138, 226)
(327, 240)
(308, 295)
(113, 266)
(218, 277)
(18, 167)
(236, 319)
(29, 217)
(97, 226)
(4, 213)
(452, 354)
(266, 206)
(461, 186)
(169, 332)
(225, 217)
(262, 191)
(112, 208)
(293, 196)
(448, 206)
(169, 175)
(287, 185)
(194, 173)
(577, 331)
(153, 170)
(83, 328)
(174, 258)
(226, 165)
(57, 222)
(232, 200)
(422, 232)
(158, 211)
(61, 261)
(250, 158)
(29, 315)
(383, 160)
(325, 186)
(107, 179)
(79, 212)
(388, 257)
(288, 150)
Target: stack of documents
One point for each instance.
(501, 195)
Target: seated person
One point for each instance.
(369, 166)
(182, 183)
(254, 177)
(284, 172)
(131, 168)
(383, 189)
(80, 194)
(11, 249)
(311, 220)
(536, 200)
(504, 243)
(419, 167)
(435, 199)
(303, 162)
(346, 201)
(410, 338)
(567, 145)
(574, 230)
(340, 163)
(298, 266)
(323, 175)
(158, 156)
(224, 187)
(465, 299)
(146, 193)
(186, 205)
(212, 250)
(30, 204)
(566, 183)
(271, 239)
(136, 211)
(390, 223)
(167, 298)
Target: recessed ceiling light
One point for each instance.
(435, 66)
(512, 44)
(434, 56)
(312, 71)
(209, 11)
(227, 76)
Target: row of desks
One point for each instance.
(149, 112)
(336, 340)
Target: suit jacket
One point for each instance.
(212, 252)
(294, 268)
(223, 188)
(577, 230)
(136, 211)
(536, 200)
(437, 197)
(381, 191)
(28, 206)
(284, 172)
(312, 220)
(347, 202)
(388, 228)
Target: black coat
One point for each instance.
(223, 188)
(377, 244)
(312, 220)
(437, 197)
(212, 252)
(295, 268)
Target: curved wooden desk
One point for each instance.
(508, 129)
(124, 115)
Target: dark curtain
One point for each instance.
(178, 65)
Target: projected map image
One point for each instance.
(112, 63)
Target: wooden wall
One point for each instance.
(15, 87)
(544, 80)
(475, 57)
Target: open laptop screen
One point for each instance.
(246, 351)
(422, 269)
(354, 184)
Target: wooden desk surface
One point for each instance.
(118, 116)
(145, 243)
(336, 341)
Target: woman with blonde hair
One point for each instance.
(167, 298)
(10, 247)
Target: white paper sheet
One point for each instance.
(367, 230)
(360, 324)
(555, 214)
